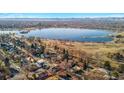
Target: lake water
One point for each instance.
(83, 35)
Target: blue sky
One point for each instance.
(59, 15)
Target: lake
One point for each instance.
(72, 34)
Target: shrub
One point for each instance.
(107, 65)
(121, 68)
(115, 74)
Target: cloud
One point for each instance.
(15, 15)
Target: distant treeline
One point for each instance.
(116, 24)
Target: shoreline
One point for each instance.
(62, 40)
(34, 28)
